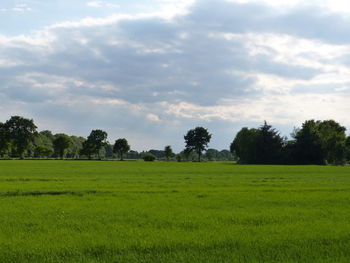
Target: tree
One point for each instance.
(148, 157)
(42, 151)
(308, 146)
(244, 146)
(61, 143)
(211, 154)
(75, 147)
(42, 144)
(168, 152)
(95, 141)
(258, 146)
(333, 140)
(320, 142)
(4, 140)
(269, 145)
(197, 139)
(347, 144)
(121, 147)
(21, 133)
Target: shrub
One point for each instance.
(149, 157)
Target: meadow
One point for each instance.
(133, 211)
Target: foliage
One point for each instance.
(95, 141)
(75, 147)
(168, 152)
(4, 142)
(197, 140)
(42, 151)
(61, 143)
(319, 142)
(20, 132)
(268, 145)
(245, 146)
(333, 140)
(148, 157)
(347, 148)
(121, 147)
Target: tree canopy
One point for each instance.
(168, 152)
(94, 143)
(316, 142)
(20, 132)
(121, 147)
(197, 140)
(61, 143)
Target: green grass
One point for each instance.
(125, 212)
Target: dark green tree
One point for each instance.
(168, 152)
(197, 140)
(4, 140)
(43, 151)
(347, 145)
(258, 146)
(148, 157)
(61, 143)
(95, 141)
(21, 132)
(320, 142)
(244, 146)
(121, 147)
(333, 140)
(269, 145)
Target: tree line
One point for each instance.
(19, 138)
(316, 142)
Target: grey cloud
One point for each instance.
(149, 61)
(307, 22)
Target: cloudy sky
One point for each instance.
(151, 70)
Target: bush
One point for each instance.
(149, 157)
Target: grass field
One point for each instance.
(125, 212)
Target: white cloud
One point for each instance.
(19, 8)
(152, 117)
(102, 4)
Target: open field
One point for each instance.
(81, 211)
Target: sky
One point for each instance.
(151, 70)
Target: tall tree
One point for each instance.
(42, 151)
(168, 152)
(258, 146)
(4, 140)
(244, 146)
(347, 145)
(320, 142)
(75, 147)
(269, 145)
(21, 132)
(308, 145)
(95, 141)
(121, 147)
(197, 139)
(333, 140)
(61, 143)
